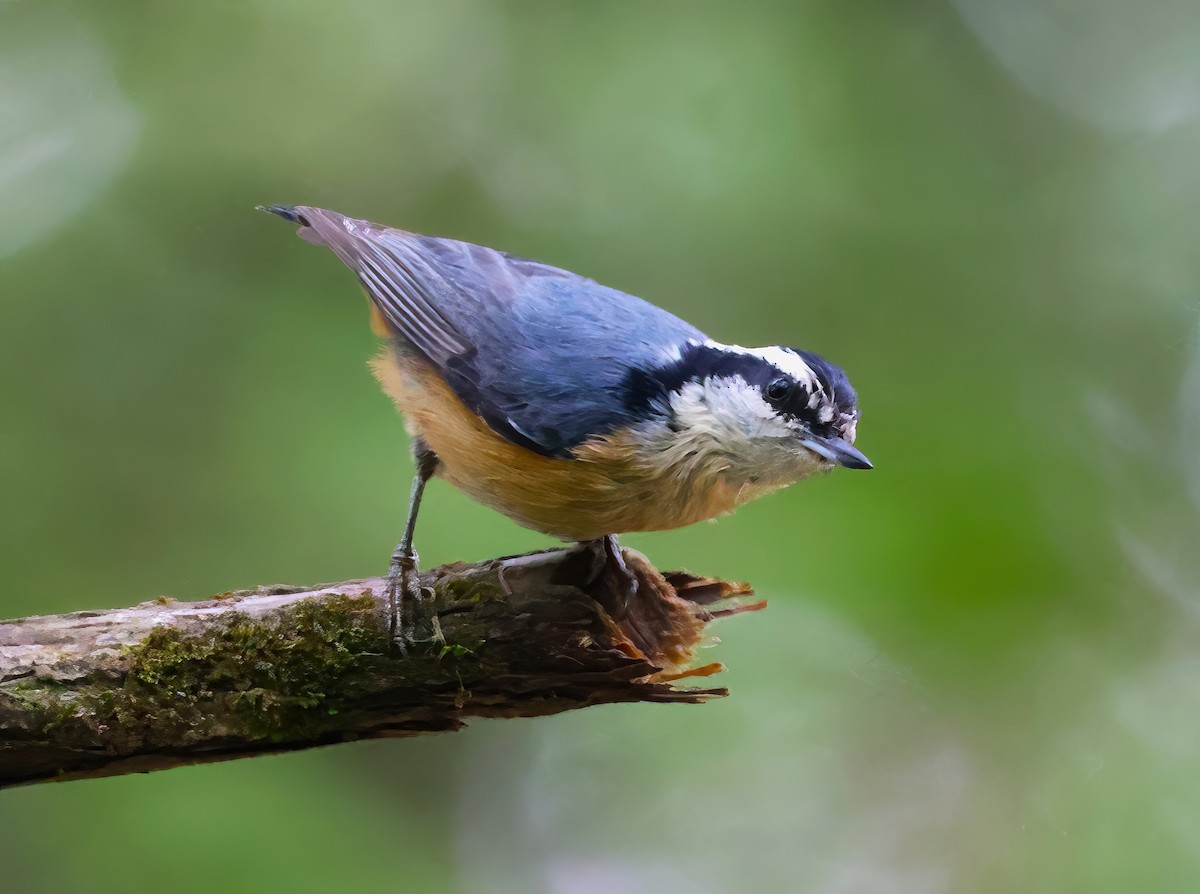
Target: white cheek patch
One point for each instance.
(723, 428)
(728, 411)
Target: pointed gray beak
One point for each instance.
(838, 451)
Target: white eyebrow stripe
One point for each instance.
(781, 358)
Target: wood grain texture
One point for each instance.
(279, 668)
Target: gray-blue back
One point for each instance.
(546, 357)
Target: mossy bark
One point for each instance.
(168, 683)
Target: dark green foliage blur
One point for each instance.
(980, 669)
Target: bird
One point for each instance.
(572, 408)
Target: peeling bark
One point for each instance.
(280, 668)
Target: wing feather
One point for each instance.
(544, 356)
(395, 276)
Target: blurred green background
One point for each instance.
(980, 669)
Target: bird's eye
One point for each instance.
(778, 389)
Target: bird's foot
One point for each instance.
(621, 582)
(404, 598)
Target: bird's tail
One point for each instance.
(399, 279)
(287, 212)
(320, 226)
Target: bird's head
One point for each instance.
(774, 415)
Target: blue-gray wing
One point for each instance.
(546, 357)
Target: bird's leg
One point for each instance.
(403, 594)
(613, 564)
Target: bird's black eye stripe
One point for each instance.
(778, 389)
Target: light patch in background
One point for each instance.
(1160, 708)
(1118, 65)
(1155, 706)
(1158, 522)
(823, 772)
(66, 130)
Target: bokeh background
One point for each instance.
(980, 669)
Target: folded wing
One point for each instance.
(544, 356)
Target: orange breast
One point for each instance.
(611, 486)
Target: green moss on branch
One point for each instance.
(169, 682)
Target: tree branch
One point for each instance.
(169, 683)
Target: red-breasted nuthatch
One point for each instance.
(572, 408)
